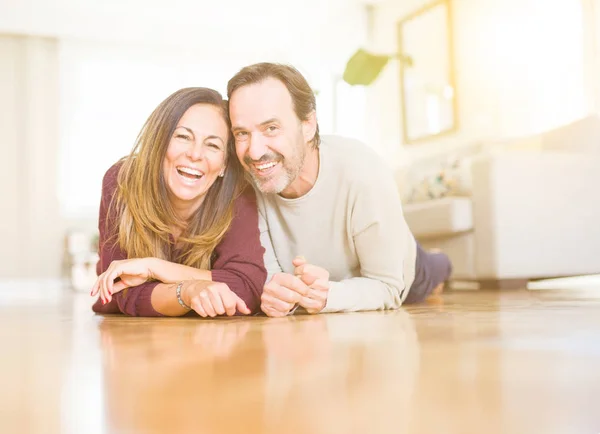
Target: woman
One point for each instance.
(178, 227)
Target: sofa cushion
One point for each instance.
(450, 179)
(442, 174)
(441, 217)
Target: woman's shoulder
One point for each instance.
(245, 220)
(245, 200)
(245, 211)
(111, 178)
(111, 175)
(110, 183)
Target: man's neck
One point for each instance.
(307, 177)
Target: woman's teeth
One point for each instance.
(189, 172)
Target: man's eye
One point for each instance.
(271, 128)
(214, 146)
(241, 134)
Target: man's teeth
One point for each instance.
(266, 165)
(190, 171)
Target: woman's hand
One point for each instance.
(212, 298)
(132, 272)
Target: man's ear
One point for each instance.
(309, 126)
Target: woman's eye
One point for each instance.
(182, 136)
(214, 146)
(271, 128)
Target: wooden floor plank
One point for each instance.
(466, 362)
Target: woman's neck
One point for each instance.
(184, 212)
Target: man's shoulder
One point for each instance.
(351, 151)
(353, 156)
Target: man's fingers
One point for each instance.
(320, 285)
(316, 300)
(305, 276)
(276, 303)
(291, 282)
(299, 260)
(308, 273)
(271, 312)
(311, 305)
(282, 293)
(298, 269)
(301, 271)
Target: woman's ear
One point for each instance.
(222, 174)
(309, 126)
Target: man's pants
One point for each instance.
(431, 270)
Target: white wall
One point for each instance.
(591, 27)
(520, 69)
(30, 227)
(321, 29)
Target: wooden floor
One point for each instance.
(474, 362)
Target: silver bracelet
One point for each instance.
(181, 302)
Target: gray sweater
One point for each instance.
(350, 223)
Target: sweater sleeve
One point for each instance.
(385, 247)
(239, 258)
(134, 301)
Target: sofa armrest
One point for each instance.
(536, 214)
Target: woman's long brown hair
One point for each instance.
(147, 218)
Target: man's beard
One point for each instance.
(279, 182)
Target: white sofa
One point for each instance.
(532, 210)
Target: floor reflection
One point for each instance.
(295, 374)
(493, 362)
(320, 367)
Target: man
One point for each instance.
(331, 206)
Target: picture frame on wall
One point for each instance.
(427, 82)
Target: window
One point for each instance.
(107, 92)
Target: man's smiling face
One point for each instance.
(268, 134)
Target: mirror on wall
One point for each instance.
(427, 87)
